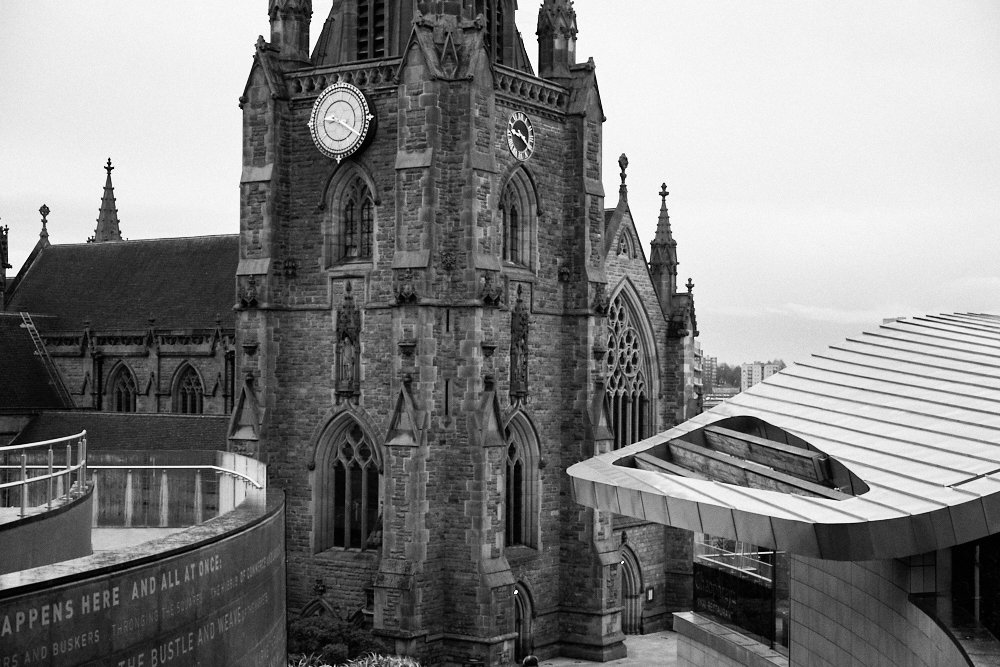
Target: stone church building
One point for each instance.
(437, 312)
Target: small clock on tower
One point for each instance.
(520, 136)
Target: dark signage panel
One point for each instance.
(218, 604)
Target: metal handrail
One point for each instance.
(218, 469)
(80, 468)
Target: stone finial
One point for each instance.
(690, 286)
(108, 168)
(663, 196)
(44, 234)
(623, 165)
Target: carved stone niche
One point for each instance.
(520, 325)
(348, 346)
(405, 287)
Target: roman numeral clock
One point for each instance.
(341, 121)
(520, 136)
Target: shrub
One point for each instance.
(327, 639)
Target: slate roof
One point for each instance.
(24, 382)
(912, 408)
(184, 283)
(113, 431)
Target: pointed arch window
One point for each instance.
(348, 491)
(189, 392)
(123, 390)
(355, 223)
(628, 388)
(517, 220)
(521, 484)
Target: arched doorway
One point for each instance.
(631, 593)
(524, 644)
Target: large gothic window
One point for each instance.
(371, 28)
(521, 484)
(628, 388)
(357, 220)
(188, 392)
(517, 220)
(348, 490)
(122, 390)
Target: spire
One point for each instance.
(556, 38)
(107, 219)
(663, 256)
(663, 234)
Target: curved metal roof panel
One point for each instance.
(912, 408)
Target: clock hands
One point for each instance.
(519, 134)
(341, 121)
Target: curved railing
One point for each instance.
(56, 476)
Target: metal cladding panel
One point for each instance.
(717, 520)
(969, 521)
(912, 408)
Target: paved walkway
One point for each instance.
(654, 650)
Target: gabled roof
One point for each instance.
(25, 383)
(184, 283)
(115, 431)
(911, 408)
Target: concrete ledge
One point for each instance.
(725, 641)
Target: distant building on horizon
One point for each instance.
(751, 374)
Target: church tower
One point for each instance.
(423, 292)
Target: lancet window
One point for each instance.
(123, 390)
(357, 221)
(188, 392)
(628, 386)
(348, 491)
(517, 220)
(521, 484)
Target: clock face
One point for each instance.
(520, 136)
(340, 120)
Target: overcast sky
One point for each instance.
(830, 163)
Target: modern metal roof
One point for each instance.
(912, 408)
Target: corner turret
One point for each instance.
(4, 231)
(556, 39)
(290, 29)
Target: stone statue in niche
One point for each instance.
(519, 327)
(348, 346)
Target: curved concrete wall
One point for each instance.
(213, 594)
(47, 537)
(859, 614)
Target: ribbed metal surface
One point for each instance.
(911, 407)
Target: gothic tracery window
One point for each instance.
(188, 392)
(348, 491)
(356, 222)
(517, 220)
(123, 390)
(521, 495)
(628, 388)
